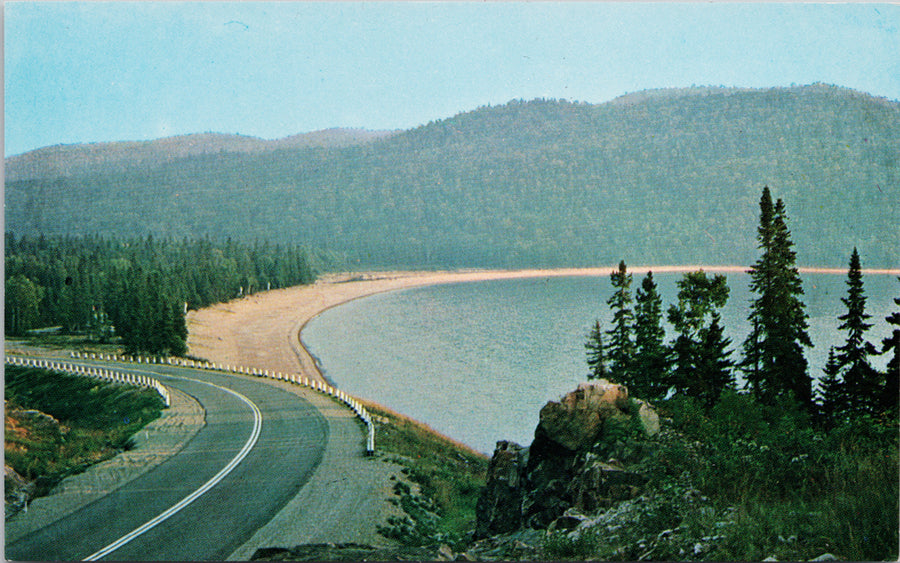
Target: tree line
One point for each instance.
(138, 289)
(698, 363)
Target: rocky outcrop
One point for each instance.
(500, 504)
(576, 422)
(576, 464)
(17, 491)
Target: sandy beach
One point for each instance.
(262, 330)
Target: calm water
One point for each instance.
(477, 361)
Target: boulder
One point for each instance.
(563, 470)
(576, 422)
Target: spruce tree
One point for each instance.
(760, 276)
(860, 378)
(774, 361)
(890, 396)
(791, 331)
(714, 365)
(834, 397)
(595, 356)
(176, 332)
(651, 356)
(621, 345)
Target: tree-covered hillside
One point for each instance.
(658, 178)
(72, 160)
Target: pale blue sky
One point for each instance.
(87, 72)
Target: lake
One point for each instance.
(476, 361)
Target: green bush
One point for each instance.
(794, 490)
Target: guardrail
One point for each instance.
(293, 378)
(99, 373)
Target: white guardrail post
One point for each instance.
(111, 375)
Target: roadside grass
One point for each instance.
(450, 476)
(58, 425)
(79, 342)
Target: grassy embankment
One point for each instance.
(89, 421)
(449, 476)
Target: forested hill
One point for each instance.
(660, 177)
(72, 160)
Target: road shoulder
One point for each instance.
(345, 498)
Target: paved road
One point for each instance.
(289, 447)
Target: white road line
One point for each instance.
(254, 436)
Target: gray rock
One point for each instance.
(562, 470)
(499, 508)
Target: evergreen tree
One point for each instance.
(774, 361)
(834, 397)
(651, 356)
(861, 380)
(22, 301)
(595, 357)
(700, 350)
(714, 365)
(176, 333)
(760, 275)
(621, 346)
(136, 288)
(890, 396)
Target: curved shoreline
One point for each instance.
(263, 330)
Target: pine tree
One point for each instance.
(774, 361)
(834, 397)
(651, 357)
(860, 378)
(595, 356)
(714, 365)
(621, 345)
(890, 396)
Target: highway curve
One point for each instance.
(290, 445)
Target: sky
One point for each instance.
(104, 71)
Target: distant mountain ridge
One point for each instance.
(71, 160)
(670, 176)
